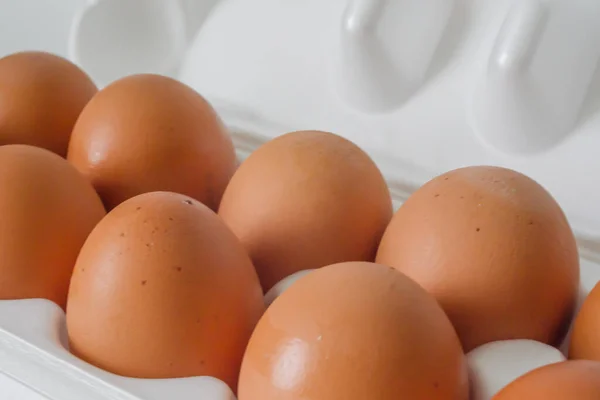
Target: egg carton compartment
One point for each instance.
(35, 363)
(377, 63)
(538, 74)
(108, 38)
(114, 38)
(33, 351)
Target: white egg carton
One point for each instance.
(423, 86)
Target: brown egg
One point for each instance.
(585, 337)
(147, 133)
(48, 210)
(305, 200)
(569, 380)
(41, 96)
(354, 331)
(162, 289)
(496, 251)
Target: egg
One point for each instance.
(162, 289)
(585, 337)
(284, 285)
(354, 331)
(41, 97)
(48, 209)
(569, 380)
(496, 251)
(305, 200)
(148, 133)
(495, 365)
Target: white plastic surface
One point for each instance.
(406, 80)
(15, 390)
(538, 75)
(46, 28)
(378, 64)
(114, 38)
(495, 365)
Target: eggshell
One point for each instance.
(284, 285)
(569, 380)
(41, 96)
(587, 283)
(495, 365)
(147, 133)
(585, 337)
(354, 331)
(496, 251)
(162, 289)
(48, 210)
(590, 277)
(305, 200)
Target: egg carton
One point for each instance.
(424, 87)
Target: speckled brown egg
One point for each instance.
(41, 96)
(48, 209)
(162, 289)
(305, 200)
(494, 248)
(147, 133)
(354, 331)
(570, 380)
(585, 337)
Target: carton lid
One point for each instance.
(424, 87)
